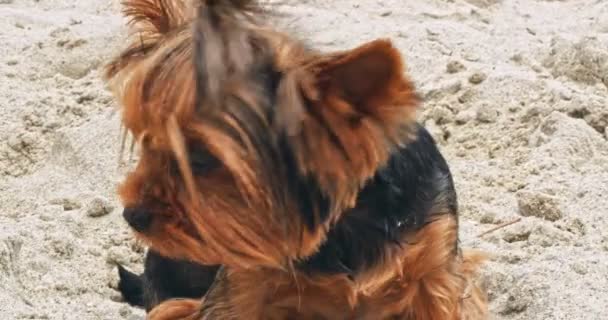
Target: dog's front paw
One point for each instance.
(182, 309)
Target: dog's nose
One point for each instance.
(138, 218)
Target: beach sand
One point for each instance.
(516, 94)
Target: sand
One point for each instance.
(516, 94)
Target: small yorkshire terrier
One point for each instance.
(302, 173)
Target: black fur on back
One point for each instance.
(397, 200)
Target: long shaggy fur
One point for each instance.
(302, 173)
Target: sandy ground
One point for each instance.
(516, 94)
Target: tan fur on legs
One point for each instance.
(425, 279)
(270, 294)
(184, 309)
(428, 281)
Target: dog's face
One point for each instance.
(251, 145)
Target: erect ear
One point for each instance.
(368, 79)
(357, 106)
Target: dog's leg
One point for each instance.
(426, 279)
(176, 309)
(165, 279)
(131, 287)
(271, 294)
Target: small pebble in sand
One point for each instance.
(516, 233)
(125, 311)
(113, 280)
(99, 206)
(61, 287)
(536, 68)
(604, 243)
(477, 77)
(441, 114)
(465, 116)
(486, 114)
(118, 255)
(67, 203)
(62, 247)
(434, 130)
(565, 94)
(20, 141)
(513, 257)
(455, 66)
(116, 296)
(488, 218)
(471, 56)
(517, 303)
(579, 268)
(517, 58)
(94, 251)
(546, 235)
(538, 205)
(531, 31)
(402, 34)
(573, 225)
(467, 96)
(448, 88)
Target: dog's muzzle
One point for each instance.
(138, 218)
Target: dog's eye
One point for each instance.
(201, 162)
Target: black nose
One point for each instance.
(138, 218)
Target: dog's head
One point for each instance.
(251, 145)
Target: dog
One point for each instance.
(164, 279)
(302, 173)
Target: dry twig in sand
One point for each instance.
(500, 226)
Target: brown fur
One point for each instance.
(239, 215)
(157, 92)
(421, 283)
(185, 309)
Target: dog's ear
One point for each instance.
(355, 107)
(151, 22)
(369, 79)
